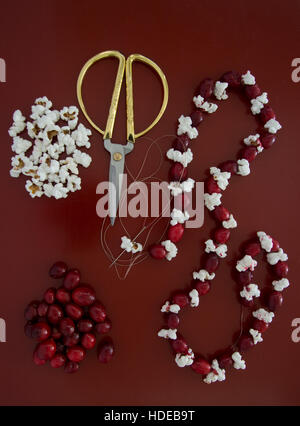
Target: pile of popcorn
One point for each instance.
(52, 154)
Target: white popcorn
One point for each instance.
(247, 262)
(281, 284)
(185, 360)
(81, 136)
(272, 126)
(220, 177)
(34, 188)
(263, 315)
(256, 335)
(170, 248)
(82, 158)
(130, 246)
(249, 291)
(177, 188)
(275, 257)
(18, 124)
(265, 240)
(229, 223)
(239, 363)
(212, 200)
(73, 183)
(220, 90)
(253, 140)
(178, 217)
(70, 114)
(185, 126)
(205, 106)
(203, 275)
(42, 105)
(70, 164)
(258, 103)
(167, 307)
(170, 333)
(217, 374)
(20, 145)
(180, 157)
(243, 167)
(220, 250)
(248, 79)
(194, 295)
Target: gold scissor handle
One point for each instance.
(131, 136)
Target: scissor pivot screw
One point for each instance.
(117, 156)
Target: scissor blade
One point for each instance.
(116, 179)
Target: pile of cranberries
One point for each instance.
(66, 321)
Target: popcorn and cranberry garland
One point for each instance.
(181, 155)
(216, 249)
(65, 323)
(51, 157)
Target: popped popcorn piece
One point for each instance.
(178, 217)
(258, 103)
(81, 136)
(20, 145)
(217, 374)
(248, 79)
(212, 200)
(194, 295)
(170, 333)
(275, 257)
(167, 307)
(185, 360)
(208, 107)
(41, 106)
(74, 184)
(34, 188)
(272, 126)
(130, 246)
(280, 284)
(249, 291)
(82, 158)
(256, 335)
(243, 167)
(265, 240)
(177, 188)
(20, 164)
(180, 157)
(70, 114)
(253, 140)
(220, 177)
(220, 90)
(220, 250)
(239, 363)
(18, 124)
(229, 223)
(203, 275)
(170, 248)
(59, 191)
(247, 262)
(185, 126)
(263, 315)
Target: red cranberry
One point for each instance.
(85, 325)
(222, 235)
(76, 353)
(88, 340)
(175, 232)
(97, 312)
(41, 331)
(197, 117)
(252, 91)
(105, 351)
(180, 299)
(245, 343)
(58, 361)
(260, 325)
(202, 287)
(275, 246)
(281, 269)
(180, 346)
(211, 185)
(46, 349)
(71, 367)
(74, 311)
(31, 313)
(103, 327)
(181, 143)
(157, 251)
(58, 270)
(84, 295)
(275, 300)
(229, 166)
(173, 321)
(225, 360)
(60, 347)
(63, 296)
(205, 88)
(249, 153)
(72, 279)
(233, 78)
(42, 309)
(56, 334)
(71, 341)
(28, 329)
(211, 263)
(201, 366)
(49, 295)
(268, 140)
(245, 277)
(54, 314)
(252, 249)
(67, 326)
(247, 303)
(266, 114)
(178, 172)
(37, 360)
(221, 213)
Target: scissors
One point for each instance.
(119, 151)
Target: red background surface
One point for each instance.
(44, 45)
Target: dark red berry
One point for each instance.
(46, 349)
(225, 360)
(28, 329)
(253, 249)
(37, 360)
(105, 351)
(71, 367)
(157, 251)
(76, 353)
(245, 277)
(31, 313)
(175, 232)
(281, 269)
(88, 340)
(72, 279)
(180, 299)
(178, 172)
(42, 309)
(268, 140)
(103, 327)
(56, 334)
(197, 117)
(211, 186)
(211, 263)
(221, 213)
(58, 361)
(202, 287)
(222, 235)
(49, 295)
(266, 114)
(97, 312)
(63, 296)
(84, 295)
(180, 346)
(85, 325)
(58, 270)
(67, 327)
(249, 153)
(54, 314)
(229, 166)
(74, 311)
(206, 88)
(275, 300)
(252, 91)
(71, 341)
(173, 321)
(260, 325)
(40, 331)
(245, 343)
(201, 366)
(233, 79)
(181, 143)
